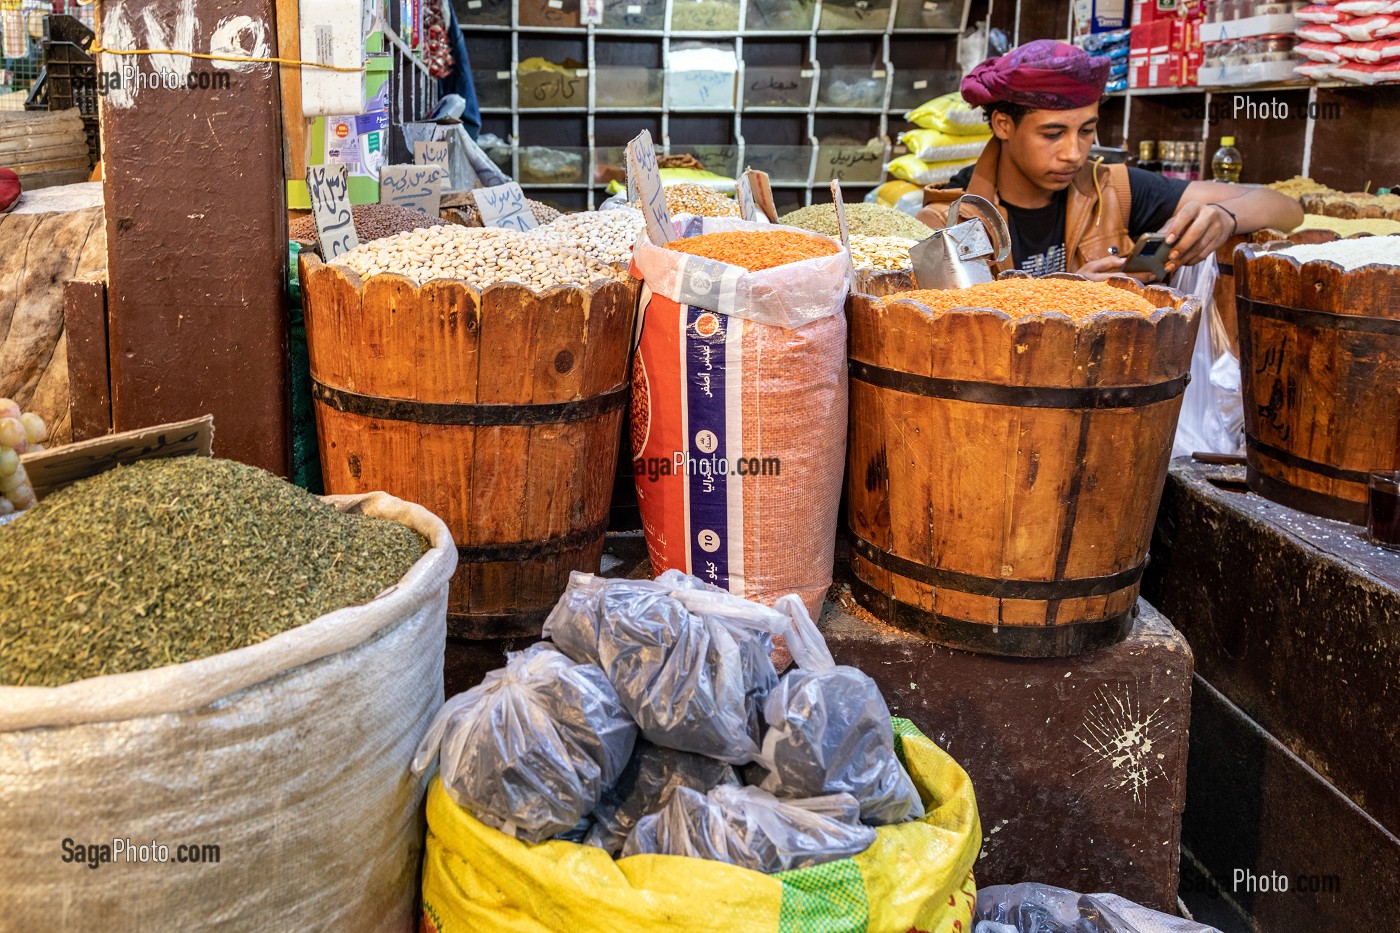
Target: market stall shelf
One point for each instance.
(421, 391)
(1003, 474)
(1320, 360)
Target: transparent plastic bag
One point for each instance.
(690, 662)
(1040, 908)
(751, 828)
(651, 778)
(531, 748)
(828, 732)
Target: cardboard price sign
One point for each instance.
(761, 190)
(430, 153)
(505, 206)
(413, 186)
(51, 470)
(329, 186)
(645, 175)
(747, 210)
(841, 219)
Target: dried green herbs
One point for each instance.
(168, 561)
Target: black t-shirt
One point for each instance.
(1038, 233)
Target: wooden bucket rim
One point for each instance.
(1248, 255)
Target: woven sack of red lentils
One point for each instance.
(739, 405)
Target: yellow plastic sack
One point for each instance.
(938, 146)
(949, 113)
(915, 877)
(911, 168)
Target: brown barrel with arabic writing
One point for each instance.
(1320, 360)
(499, 410)
(1003, 475)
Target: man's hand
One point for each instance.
(1195, 231)
(1109, 266)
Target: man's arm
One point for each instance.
(1209, 213)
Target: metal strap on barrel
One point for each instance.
(529, 550)
(496, 626)
(399, 409)
(1032, 641)
(998, 587)
(1302, 463)
(1324, 320)
(995, 393)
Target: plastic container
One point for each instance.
(1227, 163)
(767, 86)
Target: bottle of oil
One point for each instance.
(1227, 163)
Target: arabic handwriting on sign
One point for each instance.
(505, 206)
(430, 152)
(773, 84)
(413, 186)
(563, 87)
(329, 187)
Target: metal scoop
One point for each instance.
(961, 254)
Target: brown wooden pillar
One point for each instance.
(196, 223)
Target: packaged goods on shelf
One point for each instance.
(938, 146)
(950, 114)
(531, 748)
(752, 829)
(239, 557)
(1367, 28)
(912, 168)
(690, 663)
(771, 347)
(867, 219)
(481, 256)
(647, 784)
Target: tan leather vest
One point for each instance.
(1096, 210)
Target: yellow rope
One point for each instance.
(1098, 191)
(298, 63)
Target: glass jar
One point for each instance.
(1275, 48)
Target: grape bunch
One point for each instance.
(20, 432)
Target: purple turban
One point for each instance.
(1042, 75)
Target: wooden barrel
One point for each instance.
(1225, 333)
(1004, 475)
(1320, 360)
(498, 410)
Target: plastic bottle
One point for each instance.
(1227, 163)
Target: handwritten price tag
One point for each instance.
(430, 153)
(746, 204)
(418, 187)
(645, 175)
(329, 186)
(761, 189)
(505, 206)
(841, 217)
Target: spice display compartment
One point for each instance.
(778, 87)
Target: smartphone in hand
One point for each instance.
(1149, 254)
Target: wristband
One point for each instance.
(1234, 221)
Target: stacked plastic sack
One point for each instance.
(1354, 40)
(1114, 47)
(655, 724)
(950, 135)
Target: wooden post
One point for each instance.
(196, 223)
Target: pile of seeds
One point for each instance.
(1020, 297)
(700, 200)
(756, 250)
(1350, 254)
(604, 236)
(168, 561)
(481, 256)
(865, 219)
(372, 222)
(881, 253)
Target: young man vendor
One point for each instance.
(1067, 214)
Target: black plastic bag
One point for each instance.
(647, 784)
(689, 661)
(829, 732)
(752, 829)
(531, 748)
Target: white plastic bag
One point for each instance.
(828, 732)
(1212, 409)
(689, 661)
(531, 748)
(751, 828)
